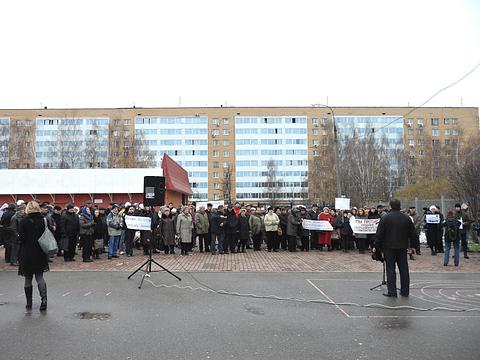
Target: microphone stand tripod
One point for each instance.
(146, 267)
(384, 282)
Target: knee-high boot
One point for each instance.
(28, 296)
(42, 289)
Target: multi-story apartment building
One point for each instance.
(244, 153)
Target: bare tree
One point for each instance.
(463, 173)
(364, 170)
(273, 186)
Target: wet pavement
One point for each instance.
(102, 315)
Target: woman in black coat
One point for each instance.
(33, 261)
(244, 231)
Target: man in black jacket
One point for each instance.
(71, 226)
(395, 234)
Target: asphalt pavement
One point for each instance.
(102, 315)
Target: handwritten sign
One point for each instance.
(432, 218)
(319, 225)
(138, 222)
(342, 203)
(364, 226)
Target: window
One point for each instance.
(420, 122)
(28, 122)
(410, 132)
(315, 132)
(226, 165)
(226, 132)
(420, 131)
(435, 132)
(315, 153)
(225, 121)
(216, 121)
(447, 142)
(411, 142)
(215, 165)
(226, 153)
(93, 132)
(215, 175)
(315, 121)
(216, 186)
(216, 197)
(126, 121)
(126, 144)
(447, 132)
(446, 121)
(216, 153)
(434, 121)
(116, 122)
(409, 122)
(315, 142)
(215, 132)
(421, 152)
(126, 133)
(323, 121)
(214, 142)
(454, 132)
(226, 142)
(435, 142)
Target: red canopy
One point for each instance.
(176, 177)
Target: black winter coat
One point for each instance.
(244, 227)
(217, 219)
(395, 231)
(71, 224)
(100, 229)
(232, 225)
(59, 230)
(32, 258)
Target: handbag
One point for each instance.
(279, 231)
(98, 244)
(47, 241)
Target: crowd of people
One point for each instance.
(227, 229)
(223, 230)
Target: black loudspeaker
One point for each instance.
(153, 190)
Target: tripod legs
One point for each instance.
(384, 282)
(146, 267)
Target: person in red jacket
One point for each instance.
(325, 237)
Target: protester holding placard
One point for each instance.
(346, 232)
(361, 238)
(434, 231)
(461, 212)
(325, 237)
(129, 233)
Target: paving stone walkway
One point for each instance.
(262, 261)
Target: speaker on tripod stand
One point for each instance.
(153, 190)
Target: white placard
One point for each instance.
(320, 225)
(364, 226)
(138, 222)
(432, 218)
(342, 203)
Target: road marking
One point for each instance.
(325, 295)
(88, 293)
(108, 293)
(67, 293)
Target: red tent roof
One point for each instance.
(176, 177)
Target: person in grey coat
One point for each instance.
(294, 222)
(14, 226)
(166, 231)
(184, 229)
(255, 222)
(114, 223)
(202, 226)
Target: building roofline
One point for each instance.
(241, 107)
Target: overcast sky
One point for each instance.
(240, 53)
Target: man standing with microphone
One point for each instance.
(395, 234)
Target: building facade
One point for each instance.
(250, 154)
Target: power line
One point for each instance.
(428, 100)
